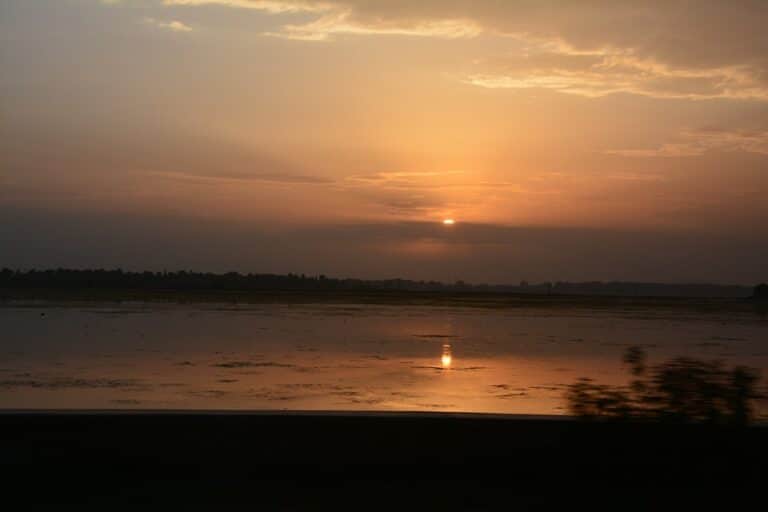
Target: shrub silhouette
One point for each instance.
(681, 390)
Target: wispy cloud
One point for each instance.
(610, 71)
(172, 25)
(272, 6)
(428, 194)
(427, 180)
(275, 177)
(398, 178)
(338, 23)
(340, 18)
(696, 143)
(589, 49)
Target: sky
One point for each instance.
(570, 140)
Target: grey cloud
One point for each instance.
(474, 252)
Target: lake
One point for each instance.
(343, 357)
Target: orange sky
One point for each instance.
(617, 116)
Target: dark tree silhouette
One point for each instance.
(183, 280)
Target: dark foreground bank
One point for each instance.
(365, 461)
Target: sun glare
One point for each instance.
(447, 358)
(449, 222)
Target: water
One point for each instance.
(332, 357)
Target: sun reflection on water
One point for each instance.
(447, 358)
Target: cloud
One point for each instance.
(337, 18)
(425, 180)
(343, 22)
(696, 143)
(272, 6)
(400, 194)
(173, 25)
(667, 49)
(273, 177)
(398, 179)
(413, 193)
(414, 204)
(598, 74)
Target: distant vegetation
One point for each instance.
(233, 281)
(682, 390)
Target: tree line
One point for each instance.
(62, 278)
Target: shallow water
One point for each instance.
(350, 357)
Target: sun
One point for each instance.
(449, 222)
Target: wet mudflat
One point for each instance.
(345, 357)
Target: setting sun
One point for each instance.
(449, 222)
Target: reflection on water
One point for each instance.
(332, 357)
(447, 357)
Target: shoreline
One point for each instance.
(479, 300)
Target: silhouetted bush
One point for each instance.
(760, 292)
(681, 390)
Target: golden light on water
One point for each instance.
(446, 358)
(449, 222)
